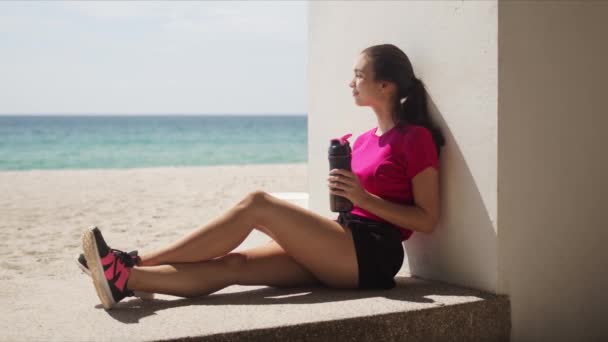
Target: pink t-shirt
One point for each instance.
(385, 165)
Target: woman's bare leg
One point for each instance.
(271, 265)
(182, 279)
(319, 244)
(267, 265)
(214, 239)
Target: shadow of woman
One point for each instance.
(408, 289)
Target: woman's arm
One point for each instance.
(422, 216)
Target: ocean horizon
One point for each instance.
(119, 141)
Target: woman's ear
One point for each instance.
(388, 87)
(384, 86)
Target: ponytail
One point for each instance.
(412, 108)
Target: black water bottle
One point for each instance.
(340, 158)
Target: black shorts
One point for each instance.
(379, 250)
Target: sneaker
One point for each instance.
(110, 268)
(81, 261)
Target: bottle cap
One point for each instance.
(340, 146)
(344, 138)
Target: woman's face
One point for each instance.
(365, 89)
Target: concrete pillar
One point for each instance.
(516, 88)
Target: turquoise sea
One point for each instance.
(120, 141)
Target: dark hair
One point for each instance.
(392, 65)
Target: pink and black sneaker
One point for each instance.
(110, 268)
(81, 261)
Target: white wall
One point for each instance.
(524, 215)
(552, 167)
(452, 46)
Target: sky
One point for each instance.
(140, 57)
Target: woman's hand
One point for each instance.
(346, 184)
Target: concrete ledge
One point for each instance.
(445, 318)
(416, 310)
(66, 308)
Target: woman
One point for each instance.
(393, 188)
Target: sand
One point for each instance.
(43, 212)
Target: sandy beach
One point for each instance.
(43, 212)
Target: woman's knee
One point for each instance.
(259, 197)
(254, 201)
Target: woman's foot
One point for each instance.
(81, 261)
(110, 268)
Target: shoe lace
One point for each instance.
(127, 259)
